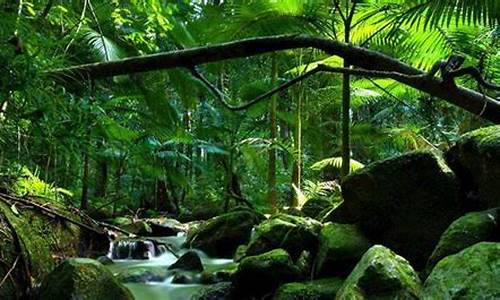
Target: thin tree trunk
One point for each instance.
(271, 175)
(346, 105)
(297, 166)
(85, 182)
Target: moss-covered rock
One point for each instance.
(468, 230)
(38, 242)
(79, 278)
(259, 275)
(221, 235)
(323, 289)
(404, 203)
(141, 228)
(340, 248)
(476, 160)
(218, 291)
(473, 273)
(189, 261)
(381, 274)
(314, 207)
(292, 233)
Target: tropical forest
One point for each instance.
(249, 149)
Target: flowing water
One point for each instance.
(156, 257)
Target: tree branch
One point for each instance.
(369, 60)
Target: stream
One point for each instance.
(158, 259)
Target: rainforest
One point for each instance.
(249, 149)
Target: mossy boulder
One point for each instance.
(218, 291)
(473, 273)
(315, 206)
(476, 160)
(220, 236)
(189, 261)
(468, 230)
(323, 289)
(381, 274)
(340, 248)
(404, 203)
(141, 228)
(260, 275)
(81, 278)
(292, 233)
(38, 241)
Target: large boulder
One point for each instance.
(468, 230)
(260, 275)
(381, 274)
(473, 273)
(292, 233)
(218, 291)
(340, 248)
(189, 261)
(476, 160)
(403, 202)
(314, 207)
(82, 278)
(220, 236)
(323, 289)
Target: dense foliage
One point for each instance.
(162, 140)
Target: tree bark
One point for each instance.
(271, 172)
(472, 101)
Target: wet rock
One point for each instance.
(476, 160)
(468, 230)
(143, 275)
(472, 273)
(259, 275)
(189, 261)
(186, 277)
(381, 274)
(404, 201)
(292, 233)
(305, 264)
(79, 278)
(240, 253)
(105, 260)
(121, 221)
(165, 227)
(340, 248)
(221, 235)
(140, 228)
(323, 289)
(219, 291)
(314, 207)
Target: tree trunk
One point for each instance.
(297, 166)
(346, 109)
(271, 174)
(85, 182)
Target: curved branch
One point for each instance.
(369, 60)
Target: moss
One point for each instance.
(476, 159)
(323, 289)
(221, 235)
(262, 274)
(80, 278)
(313, 207)
(340, 248)
(472, 273)
(404, 201)
(292, 233)
(381, 274)
(466, 231)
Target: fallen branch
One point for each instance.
(369, 60)
(49, 211)
(10, 271)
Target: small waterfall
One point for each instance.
(135, 249)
